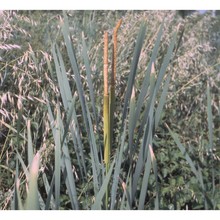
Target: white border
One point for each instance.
(110, 4)
(99, 215)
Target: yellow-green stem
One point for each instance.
(106, 132)
(111, 112)
(109, 101)
(106, 112)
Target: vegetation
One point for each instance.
(144, 138)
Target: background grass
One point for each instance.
(51, 89)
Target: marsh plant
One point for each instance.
(114, 110)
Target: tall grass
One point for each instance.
(103, 144)
(126, 170)
(144, 156)
(208, 197)
(33, 199)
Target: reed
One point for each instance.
(106, 122)
(109, 100)
(106, 106)
(113, 80)
(136, 169)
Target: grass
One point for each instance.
(60, 128)
(77, 150)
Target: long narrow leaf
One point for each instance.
(132, 114)
(94, 155)
(210, 127)
(89, 77)
(165, 63)
(117, 169)
(141, 160)
(69, 103)
(154, 165)
(143, 153)
(70, 180)
(49, 190)
(30, 145)
(98, 200)
(81, 93)
(146, 81)
(145, 183)
(183, 151)
(67, 167)
(133, 71)
(17, 204)
(32, 202)
(24, 167)
(61, 76)
(57, 158)
(66, 34)
(162, 101)
(210, 120)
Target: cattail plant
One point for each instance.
(113, 80)
(76, 141)
(106, 106)
(109, 101)
(106, 118)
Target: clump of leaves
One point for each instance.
(33, 66)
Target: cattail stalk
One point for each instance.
(106, 105)
(114, 61)
(106, 112)
(109, 101)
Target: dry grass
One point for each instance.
(28, 74)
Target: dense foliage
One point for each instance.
(185, 165)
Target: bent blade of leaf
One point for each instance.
(32, 202)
